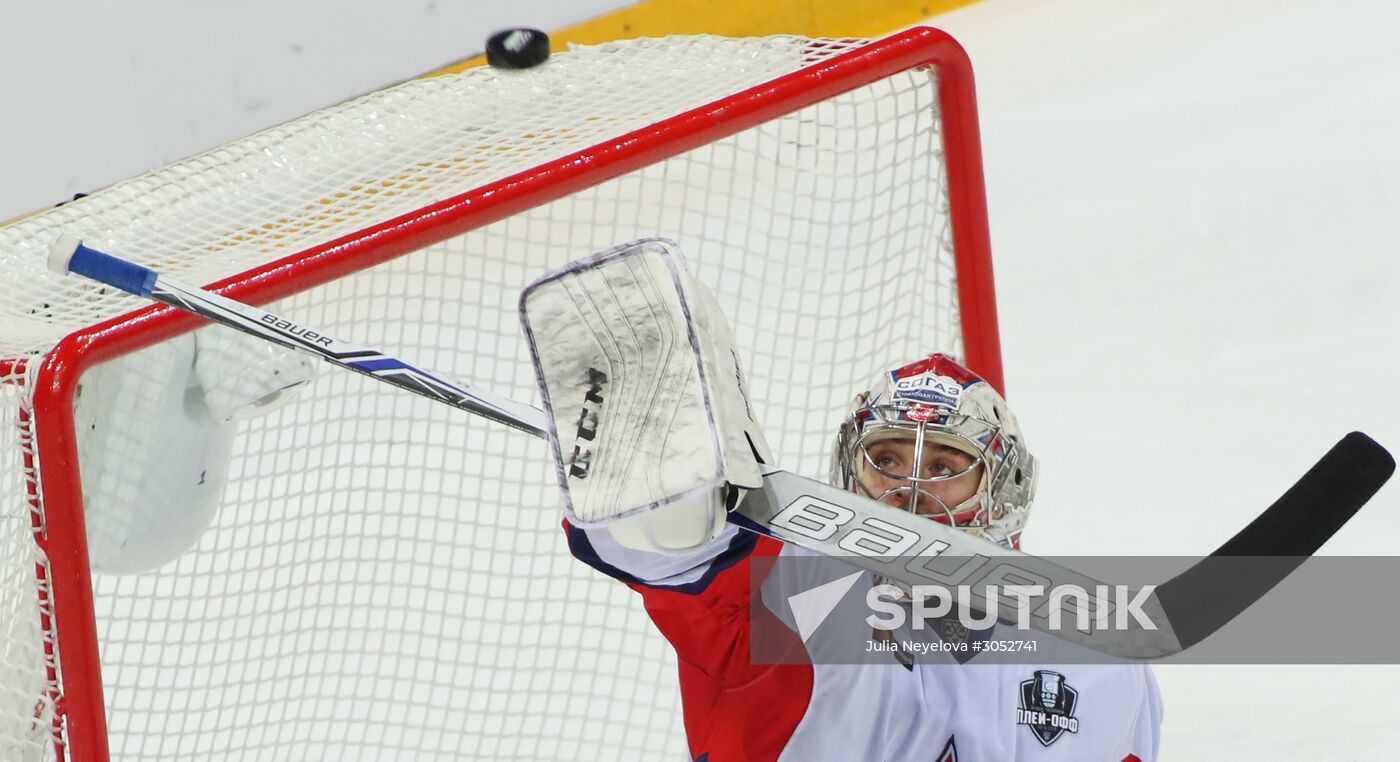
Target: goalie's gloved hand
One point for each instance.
(652, 431)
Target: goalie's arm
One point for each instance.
(689, 571)
(701, 602)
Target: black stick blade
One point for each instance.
(1205, 597)
(1324, 499)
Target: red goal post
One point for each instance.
(78, 626)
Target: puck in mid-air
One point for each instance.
(519, 48)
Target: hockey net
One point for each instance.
(385, 577)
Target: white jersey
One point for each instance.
(892, 709)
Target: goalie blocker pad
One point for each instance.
(649, 415)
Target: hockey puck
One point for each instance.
(519, 48)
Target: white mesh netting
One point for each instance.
(385, 577)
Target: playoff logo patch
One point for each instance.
(1047, 706)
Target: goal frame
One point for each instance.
(68, 617)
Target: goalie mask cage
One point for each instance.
(385, 577)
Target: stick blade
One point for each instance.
(1319, 504)
(1205, 597)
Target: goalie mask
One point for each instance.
(935, 439)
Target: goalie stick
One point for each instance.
(68, 254)
(888, 541)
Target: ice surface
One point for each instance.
(1194, 226)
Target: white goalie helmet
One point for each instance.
(925, 408)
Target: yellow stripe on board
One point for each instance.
(809, 18)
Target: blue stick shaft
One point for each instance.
(143, 281)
